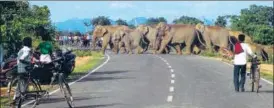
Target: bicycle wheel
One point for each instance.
(257, 80)
(66, 90)
(252, 81)
(11, 89)
(28, 93)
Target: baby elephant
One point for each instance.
(130, 39)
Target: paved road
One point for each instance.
(163, 81)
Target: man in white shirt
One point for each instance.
(240, 61)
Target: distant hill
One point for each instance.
(73, 25)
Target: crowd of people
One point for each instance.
(74, 40)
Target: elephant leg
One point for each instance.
(188, 48)
(122, 48)
(140, 50)
(163, 45)
(178, 49)
(105, 43)
(128, 47)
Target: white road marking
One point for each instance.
(172, 75)
(169, 98)
(172, 81)
(108, 57)
(171, 89)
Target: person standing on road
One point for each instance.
(242, 50)
(23, 60)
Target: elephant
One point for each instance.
(214, 36)
(178, 36)
(105, 32)
(130, 39)
(152, 38)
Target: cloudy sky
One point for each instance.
(64, 10)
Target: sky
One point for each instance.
(64, 10)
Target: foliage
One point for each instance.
(257, 22)
(100, 20)
(187, 20)
(153, 21)
(221, 21)
(19, 19)
(121, 22)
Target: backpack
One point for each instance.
(238, 48)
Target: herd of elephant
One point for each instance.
(162, 37)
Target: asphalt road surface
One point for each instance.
(161, 81)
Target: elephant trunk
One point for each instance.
(116, 47)
(199, 38)
(264, 55)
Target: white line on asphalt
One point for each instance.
(172, 75)
(169, 98)
(171, 89)
(108, 57)
(172, 81)
(169, 66)
(171, 70)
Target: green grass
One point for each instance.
(210, 54)
(267, 76)
(82, 53)
(3, 100)
(82, 70)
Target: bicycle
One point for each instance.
(255, 74)
(32, 88)
(62, 81)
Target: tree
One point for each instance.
(100, 20)
(18, 19)
(121, 22)
(153, 21)
(87, 25)
(257, 22)
(187, 20)
(221, 21)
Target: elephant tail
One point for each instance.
(198, 35)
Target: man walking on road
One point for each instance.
(240, 60)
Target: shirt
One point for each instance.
(241, 59)
(45, 47)
(23, 54)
